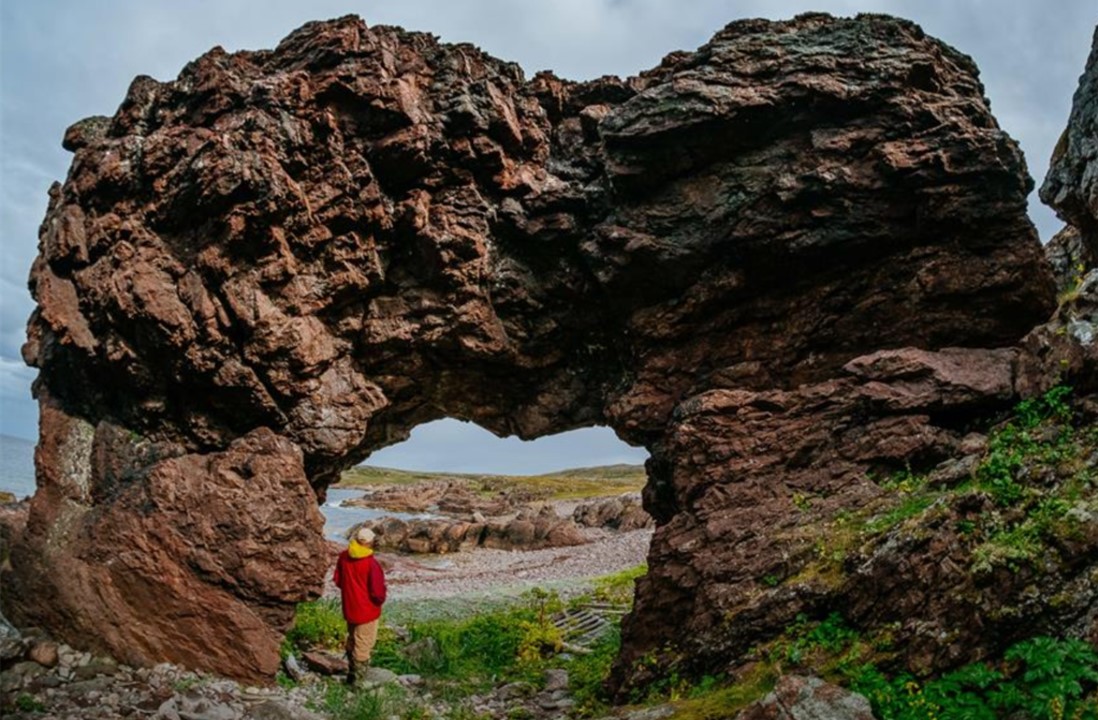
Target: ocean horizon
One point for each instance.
(16, 466)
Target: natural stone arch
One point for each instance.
(262, 271)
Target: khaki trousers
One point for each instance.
(361, 640)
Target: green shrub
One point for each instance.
(831, 637)
(318, 624)
(28, 703)
(1041, 679)
(1015, 446)
(1053, 405)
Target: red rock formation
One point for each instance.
(150, 552)
(305, 252)
(528, 530)
(797, 697)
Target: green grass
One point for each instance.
(340, 702)
(576, 484)
(317, 624)
(722, 702)
(587, 673)
(475, 647)
(618, 587)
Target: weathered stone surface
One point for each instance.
(190, 559)
(12, 643)
(1071, 186)
(1065, 349)
(621, 513)
(293, 257)
(1070, 258)
(808, 698)
(325, 663)
(43, 652)
(13, 518)
(528, 530)
(443, 496)
(757, 476)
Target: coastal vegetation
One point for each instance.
(573, 484)
(466, 656)
(462, 651)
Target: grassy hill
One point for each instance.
(573, 484)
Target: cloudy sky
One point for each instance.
(62, 60)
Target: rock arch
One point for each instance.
(260, 272)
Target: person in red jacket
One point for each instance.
(361, 583)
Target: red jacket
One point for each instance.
(362, 585)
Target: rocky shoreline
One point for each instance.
(459, 519)
(489, 572)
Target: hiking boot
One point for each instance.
(358, 670)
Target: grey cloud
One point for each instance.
(450, 445)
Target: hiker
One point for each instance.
(361, 583)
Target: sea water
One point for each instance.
(16, 466)
(339, 519)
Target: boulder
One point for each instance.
(277, 710)
(529, 530)
(325, 663)
(240, 548)
(623, 513)
(12, 643)
(43, 652)
(423, 653)
(808, 698)
(376, 676)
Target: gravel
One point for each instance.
(484, 573)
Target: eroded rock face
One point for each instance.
(529, 530)
(151, 552)
(757, 475)
(293, 257)
(1071, 186)
(808, 698)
